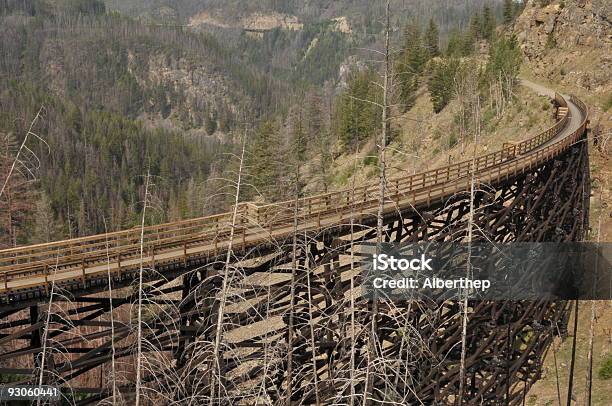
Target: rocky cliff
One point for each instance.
(569, 42)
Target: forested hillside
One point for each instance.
(118, 98)
(331, 134)
(122, 98)
(305, 42)
(449, 12)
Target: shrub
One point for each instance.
(605, 370)
(488, 116)
(370, 160)
(608, 103)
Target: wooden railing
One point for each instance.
(255, 224)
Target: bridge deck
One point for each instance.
(38, 266)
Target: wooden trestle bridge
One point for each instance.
(292, 329)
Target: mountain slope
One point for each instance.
(119, 99)
(569, 42)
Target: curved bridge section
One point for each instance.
(27, 272)
(285, 321)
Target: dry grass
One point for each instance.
(425, 140)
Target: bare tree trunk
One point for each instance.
(226, 282)
(372, 350)
(464, 321)
(23, 146)
(139, 317)
(352, 382)
(312, 332)
(290, 332)
(112, 319)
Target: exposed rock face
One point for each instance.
(350, 65)
(569, 41)
(251, 22)
(202, 89)
(341, 24)
(270, 21)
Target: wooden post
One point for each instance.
(47, 278)
(83, 270)
(185, 254)
(119, 264)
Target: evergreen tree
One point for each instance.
(440, 83)
(16, 199)
(476, 26)
(263, 160)
(432, 39)
(488, 23)
(460, 43)
(504, 64)
(210, 124)
(313, 115)
(508, 11)
(453, 47)
(467, 43)
(357, 119)
(410, 65)
(297, 135)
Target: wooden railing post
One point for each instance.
(185, 253)
(119, 264)
(216, 235)
(83, 271)
(46, 272)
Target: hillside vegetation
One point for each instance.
(118, 99)
(122, 98)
